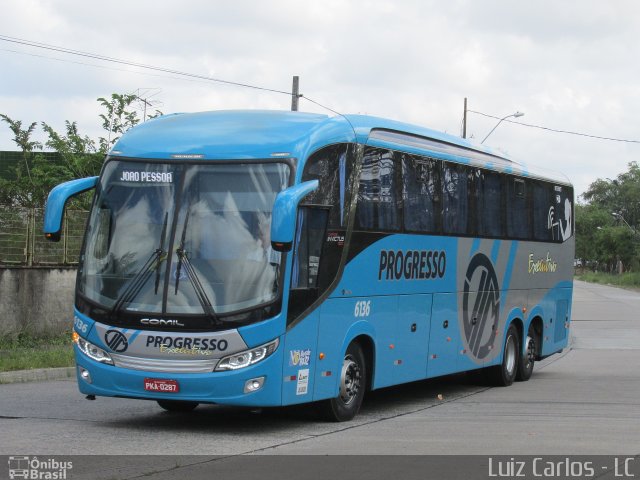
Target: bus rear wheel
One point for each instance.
(353, 381)
(525, 366)
(177, 405)
(504, 374)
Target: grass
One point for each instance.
(626, 280)
(26, 351)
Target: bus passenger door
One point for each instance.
(444, 339)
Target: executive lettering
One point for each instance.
(412, 264)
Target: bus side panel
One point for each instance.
(555, 308)
(444, 340)
(412, 346)
(337, 325)
(299, 363)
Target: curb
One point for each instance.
(37, 375)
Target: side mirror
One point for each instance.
(283, 218)
(56, 202)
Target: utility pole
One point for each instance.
(295, 93)
(144, 114)
(464, 119)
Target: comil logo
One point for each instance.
(116, 341)
(481, 305)
(34, 468)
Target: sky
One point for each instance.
(568, 65)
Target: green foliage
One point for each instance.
(627, 279)
(24, 351)
(19, 191)
(117, 119)
(607, 225)
(80, 155)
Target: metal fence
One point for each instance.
(22, 242)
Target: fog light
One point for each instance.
(253, 385)
(85, 375)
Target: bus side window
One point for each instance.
(420, 194)
(543, 211)
(379, 198)
(489, 206)
(518, 224)
(562, 225)
(454, 199)
(311, 229)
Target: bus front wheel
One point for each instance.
(177, 405)
(504, 374)
(353, 377)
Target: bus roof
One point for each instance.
(259, 134)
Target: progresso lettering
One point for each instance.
(412, 264)
(187, 343)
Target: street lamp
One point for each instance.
(620, 217)
(515, 115)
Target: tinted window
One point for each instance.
(330, 167)
(489, 185)
(543, 210)
(518, 221)
(379, 200)
(561, 214)
(454, 199)
(421, 193)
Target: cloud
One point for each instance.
(568, 65)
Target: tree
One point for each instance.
(590, 219)
(602, 236)
(620, 195)
(19, 191)
(118, 118)
(79, 155)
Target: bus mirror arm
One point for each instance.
(56, 202)
(283, 219)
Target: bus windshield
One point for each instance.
(182, 238)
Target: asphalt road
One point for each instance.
(583, 401)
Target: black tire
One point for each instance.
(177, 405)
(353, 383)
(529, 354)
(504, 374)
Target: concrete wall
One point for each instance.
(37, 300)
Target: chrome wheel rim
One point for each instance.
(349, 380)
(530, 351)
(510, 355)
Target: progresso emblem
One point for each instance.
(116, 341)
(481, 305)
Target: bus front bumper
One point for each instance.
(228, 387)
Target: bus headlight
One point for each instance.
(247, 357)
(91, 351)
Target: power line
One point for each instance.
(556, 130)
(104, 58)
(177, 74)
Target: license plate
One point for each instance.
(161, 386)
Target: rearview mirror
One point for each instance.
(283, 218)
(56, 202)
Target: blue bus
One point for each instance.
(265, 258)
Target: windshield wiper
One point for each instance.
(161, 250)
(143, 275)
(183, 259)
